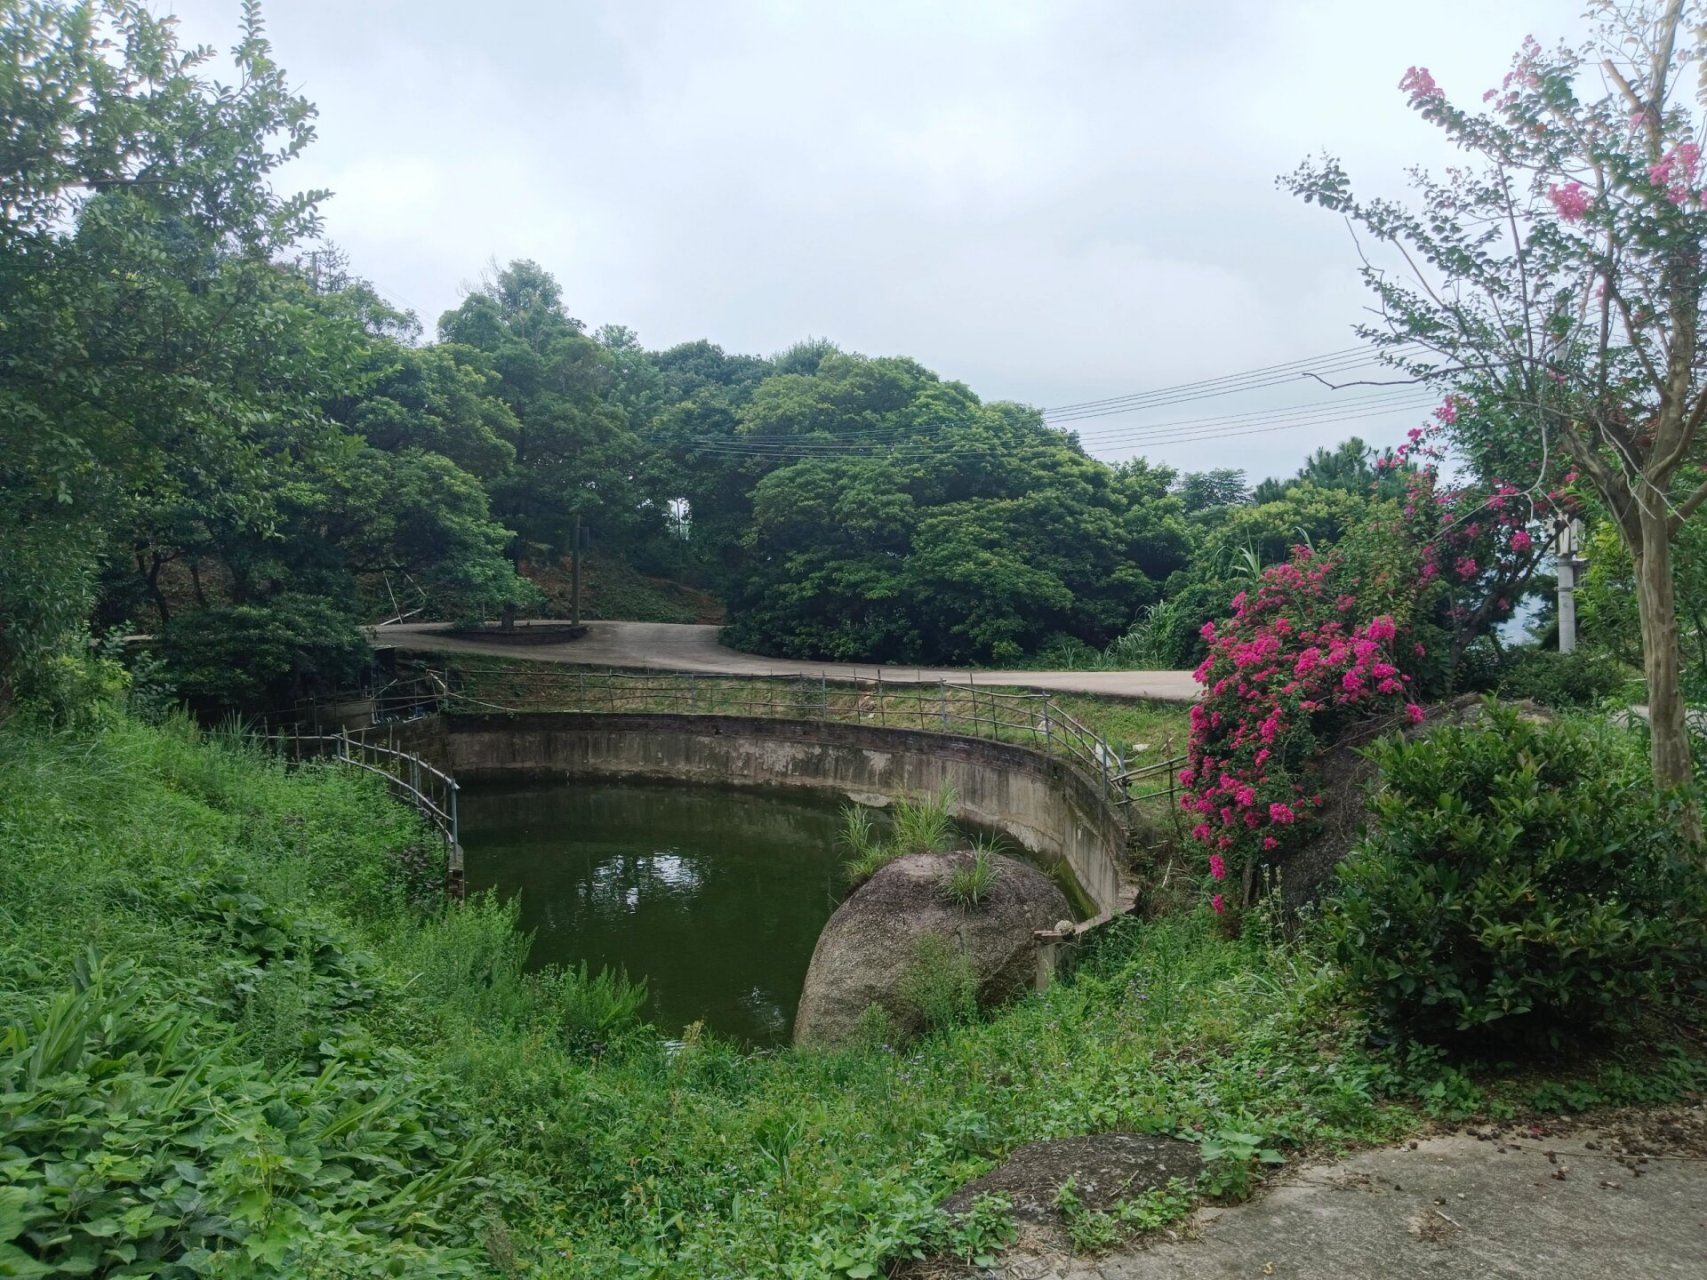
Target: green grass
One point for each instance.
(922, 824)
(612, 588)
(537, 1129)
(972, 880)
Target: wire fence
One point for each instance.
(1034, 720)
(410, 779)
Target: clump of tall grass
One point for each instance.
(925, 825)
(940, 986)
(971, 880)
(921, 825)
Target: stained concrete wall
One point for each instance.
(1040, 803)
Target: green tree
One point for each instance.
(423, 398)
(574, 453)
(1208, 490)
(1352, 466)
(910, 522)
(683, 405)
(1607, 602)
(145, 334)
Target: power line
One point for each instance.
(933, 439)
(1178, 433)
(1233, 384)
(1206, 382)
(1367, 404)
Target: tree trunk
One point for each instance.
(1662, 661)
(151, 578)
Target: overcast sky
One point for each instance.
(1053, 201)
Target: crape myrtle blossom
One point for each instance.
(1570, 201)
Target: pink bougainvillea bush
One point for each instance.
(1373, 626)
(1285, 673)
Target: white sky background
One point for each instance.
(1053, 202)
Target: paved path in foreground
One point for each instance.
(670, 646)
(1583, 1205)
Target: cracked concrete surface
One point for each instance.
(1586, 1206)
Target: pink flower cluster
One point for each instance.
(1465, 534)
(1420, 85)
(1570, 201)
(1288, 666)
(1677, 172)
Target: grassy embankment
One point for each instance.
(243, 1037)
(519, 682)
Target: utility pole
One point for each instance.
(575, 575)
(1569, 537)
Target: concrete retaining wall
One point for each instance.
(1041, 804)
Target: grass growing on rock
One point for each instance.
(972, 878)
(917, 824)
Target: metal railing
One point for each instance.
(1027, 719)
(410, 779)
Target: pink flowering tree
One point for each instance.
(1556, 278)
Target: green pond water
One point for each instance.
(716, 895)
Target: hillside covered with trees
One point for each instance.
(218, 434)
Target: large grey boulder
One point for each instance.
(871, 949)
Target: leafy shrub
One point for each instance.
(1517, 878)
(983, 1230)
(258, 656)
(82, 687)
(130, 1148)
(1097, 1232)
(1580, 679)
(1091, 1232)
(1230, 1158)
(1289, 670)
(1069, 653)
(594, 1007)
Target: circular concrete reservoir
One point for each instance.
(700, 852)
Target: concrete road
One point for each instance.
(670, 646)
(1584, 1206)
